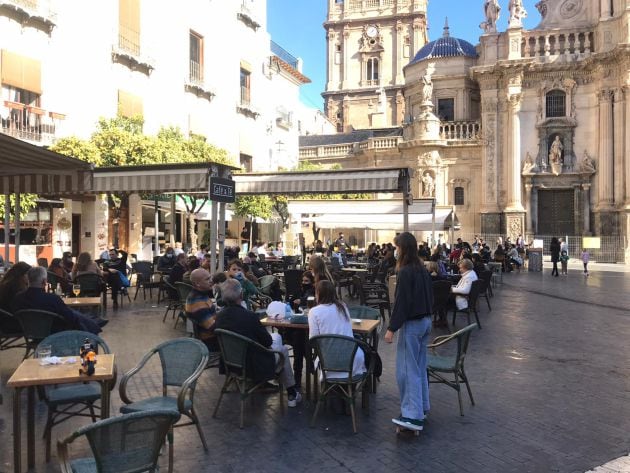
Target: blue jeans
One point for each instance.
(411, 367)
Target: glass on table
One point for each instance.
(76, 289)
(43, 351)
(310, 302)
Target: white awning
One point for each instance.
(371, 214)
(205, 213)
(322, 182)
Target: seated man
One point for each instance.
(178, 270)
(36, 297)
(244, 322)
(200, 308)
(464, 284)
(113, 268)
(166, 261)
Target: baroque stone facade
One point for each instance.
(531, 133)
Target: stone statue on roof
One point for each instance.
(517, 13)
(492, 9)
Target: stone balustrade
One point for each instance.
(362, 5)
(343, 150)
(577, 43)
(460, 131)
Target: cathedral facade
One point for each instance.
(523, 133)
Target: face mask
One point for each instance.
(169, 255)
(239, 276)
(395, 254)
(306, 286)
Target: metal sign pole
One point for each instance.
(7, 222)
(17, 227)
(221, 235)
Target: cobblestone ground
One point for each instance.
(549, 372)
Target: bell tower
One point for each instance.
(368, 44)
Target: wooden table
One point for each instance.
(365, 327)
(85, 302)
(31, 374)
(356, 270)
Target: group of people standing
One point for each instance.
(559, 250)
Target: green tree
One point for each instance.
(78, 148)
(27, 203)
(253, 206)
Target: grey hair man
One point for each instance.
(236, 318)
(36, 297)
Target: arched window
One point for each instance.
(372, 69)
(556, 104)
(459, 196)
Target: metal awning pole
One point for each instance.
(172, 238)
(433, 226)
(213, 236)
(17, 227)
(7, 222)
(221, 235)
(156, 245)
(405, 211)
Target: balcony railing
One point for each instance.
(129, 40)
(285, 56)
(245, 96)
(571, 44)
(247, 17)
(244, 106)
(127, 50)
(29, 123)
(36, 10)
(460, 131)
(195, 74)
(400, 5)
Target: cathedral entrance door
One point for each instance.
(556, 212)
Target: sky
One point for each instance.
(296, 25)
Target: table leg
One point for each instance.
(104, 399)
(17, 430)
(30, 427)
(308, 358)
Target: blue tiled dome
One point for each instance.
(446, 46)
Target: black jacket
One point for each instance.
(244, 322)
(414, 296)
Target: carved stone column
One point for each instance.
(605, 9)
(345, 82)
(400, 42)
(606, 165)
(619, 132)
(586, 199)
(332, 68)
(627, 148)
(534, 208)
(514, 189)
(528, 209)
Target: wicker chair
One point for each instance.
(182, 360)
(173, 302)
(437, 365)
(144, 278)
(11, 334)
(37, 325)
(237, 352)
(486, 289)
(124, 444)
(336, 355)
(62, 400)
(441, 294)
(473, 296)
(183, 289)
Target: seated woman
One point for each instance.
(14, 281)
(318, 267)
(85, 265)
(307, 290)
(65, 279)
(513, 259)
(331, 317)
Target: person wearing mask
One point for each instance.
(178, 250)
(411, 318)
(113, 268)
(166, 261)
(331, 317)
(66, 261)
(65, 279)
(235, 271)
(178, 270)
(235, 318)
(464, 284)
(201, 309)
(36, 297)
(307, 290)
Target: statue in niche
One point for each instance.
(529, 165)
(555, 151)
(587, 164)
(517, 12)
(428, 185)
(427, 87)
(492, 9)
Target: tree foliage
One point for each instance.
(252, 206)
(27, 203)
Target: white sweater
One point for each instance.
(327, 320)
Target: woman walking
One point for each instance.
(554, 249)
(411, 317)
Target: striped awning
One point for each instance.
(162, 178)
(323, 182)
(26, 168)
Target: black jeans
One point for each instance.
(554, 271)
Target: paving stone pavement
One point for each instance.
(550, 377)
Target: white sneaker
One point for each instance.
(294, 399)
